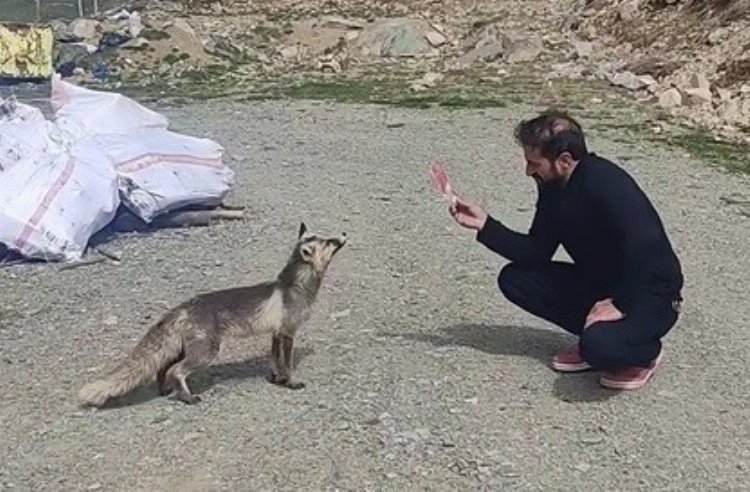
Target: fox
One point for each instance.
(188, 337)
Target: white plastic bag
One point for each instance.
(51, 204)
(24, 133)
(160, 170)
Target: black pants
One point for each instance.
(556, 294)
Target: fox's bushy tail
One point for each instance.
(153, 352)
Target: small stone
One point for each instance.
(629, 10)
(110, 320)
(191, 436)
(431, 78)
(584, 49)
(590, 440)
(94, 486)
(648, 80)
(583, 467)
(472, 401)
(717, 36)
(671, 98)
(435, 38)
(700, 94)
(341, 314)
(336, 22)
(724, 94)
(390, 475)
(289, 52)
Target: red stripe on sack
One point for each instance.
(148, 160)
(43, 206)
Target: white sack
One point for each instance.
(160, 170)
(82, 113)
(50, 206)
(24, 133)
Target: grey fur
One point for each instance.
(189, 336)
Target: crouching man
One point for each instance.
(622, 292)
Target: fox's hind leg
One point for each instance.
(199, 352)
(161, 376)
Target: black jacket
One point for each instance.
(608, 227)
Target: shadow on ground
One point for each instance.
(203, 380)
(524, 341)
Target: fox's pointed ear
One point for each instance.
(302, 230)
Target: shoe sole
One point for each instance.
(632, 385)
(568, 367)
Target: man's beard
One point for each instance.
(555, 184)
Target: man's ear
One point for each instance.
(565, 160)
(302, 230)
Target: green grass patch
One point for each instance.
(620, 118)
(734, 157)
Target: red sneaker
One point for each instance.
(630, 378)
(570, 360)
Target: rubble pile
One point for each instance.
(689, 58)
(688, 62)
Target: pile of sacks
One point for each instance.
(62, 180)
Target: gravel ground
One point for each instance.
(420, 376)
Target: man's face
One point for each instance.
(541, 169)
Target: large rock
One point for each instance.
(695, 86)
(628, 80)
(317, 37)
(486, 52)
(522, 48)
(628, 10)
(398, 37)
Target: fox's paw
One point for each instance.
(189, 399)
(296, 385)
(275, 378)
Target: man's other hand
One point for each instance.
(603, 310)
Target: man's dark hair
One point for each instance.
(552, 132)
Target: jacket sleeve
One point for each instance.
(533, 248)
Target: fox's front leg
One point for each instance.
(283, 376)
(275, 358)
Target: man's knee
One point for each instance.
(601, 346)
(508, 280)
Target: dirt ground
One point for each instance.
(419, 375)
